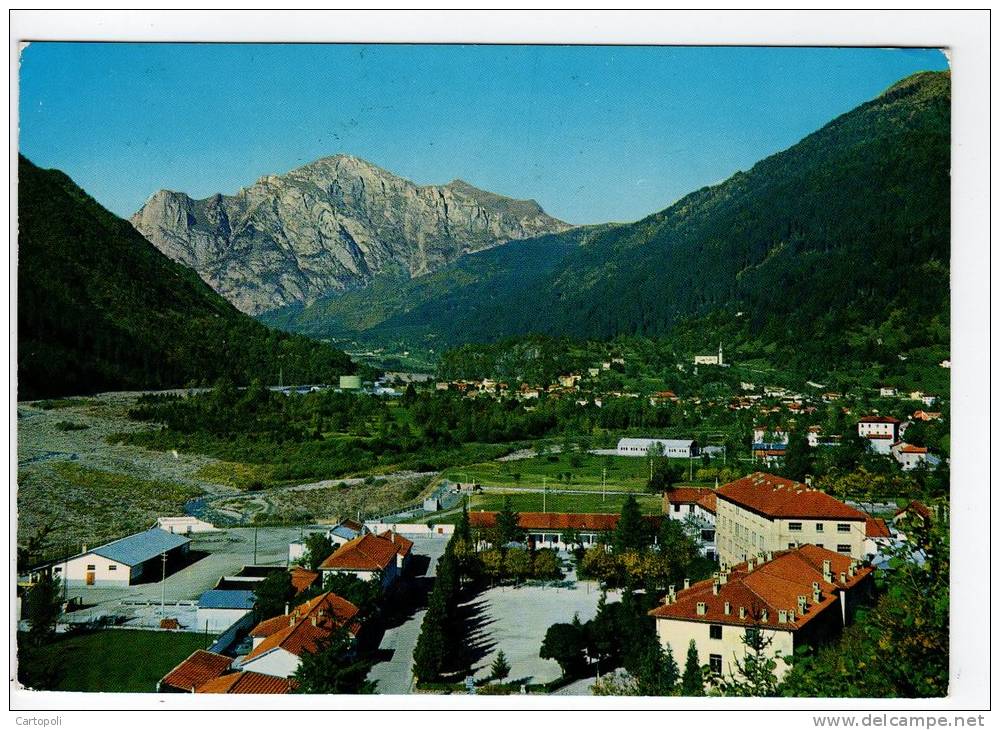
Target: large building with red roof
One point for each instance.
(546, 529)
(796, 597)
(765, 513)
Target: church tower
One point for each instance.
(720, 353)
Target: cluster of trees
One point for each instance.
(642, 556)
(440, 647)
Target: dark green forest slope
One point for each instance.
(98, 308)
(836, 249)
(437, 305)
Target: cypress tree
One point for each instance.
(692, 683)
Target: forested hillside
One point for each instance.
(99, 308)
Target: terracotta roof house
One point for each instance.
(762, 512)
(369, 557)
(199, 668)
(913, 509)
(799, 597)
(279, 642)
(247, 683)
(404, 548)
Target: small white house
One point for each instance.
(122, 562)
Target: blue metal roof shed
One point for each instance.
(216, 598)
(136, 549)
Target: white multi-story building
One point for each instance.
(765, 513)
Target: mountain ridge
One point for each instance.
(327, 226)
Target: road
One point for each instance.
(395, 676)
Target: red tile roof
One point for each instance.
(306, 626)
(302, 579)
(365, 552)
(878, 436)
(915, 507)
(876, 527)
(197, 669)
(691, 495)
(248, 683)
(403, 545)
(878, 419)
(772, 586)
(911, 449)
(773, 496)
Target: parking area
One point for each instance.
(515, 620)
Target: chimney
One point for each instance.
(743, 611)
(672, 593)
(782, 616)
(816, 595)
(687, 583)
(751, 564)
(802, 605)
(763, 615)
(723, 577)
(700, 608)
(715, 588)
(726, 608)
(843, 577)
(828, 571)
(312, 619)
(286, 609)
(815, 586)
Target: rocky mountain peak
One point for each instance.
(329, 226)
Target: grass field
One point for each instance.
(119, 660)
(570, 471)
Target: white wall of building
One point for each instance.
(277, 663)
(106, 573)
(217, 620)
(678, 634)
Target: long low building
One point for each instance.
(546, 529)
(795, 597)
(125, 561)
(674, 448)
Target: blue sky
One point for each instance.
(592, 133)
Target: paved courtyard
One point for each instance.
(515, 620)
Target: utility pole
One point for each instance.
(604, 484)
(255, 546)
(163, 588)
